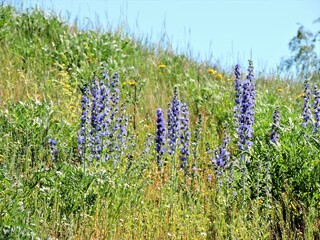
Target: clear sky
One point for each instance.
(228, 30)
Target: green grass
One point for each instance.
(45, 66)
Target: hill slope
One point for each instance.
(57, 183)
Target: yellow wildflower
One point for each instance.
(132, 83)
(211, 71)
(67, 86)
(259, 201)
(161, 66)
(218, 76)
(280, 90)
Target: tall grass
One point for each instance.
(47, 67)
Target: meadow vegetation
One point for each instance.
(104, 136)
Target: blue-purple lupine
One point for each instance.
(250, 78)
(238, 92)
(120, 130)
(246, 114)
(123, 124)
(316, 108)
(173, 114)
(83, 136)
(221, 158)
(104, 115)
(306, 110)
(160, 136)
(275, 136)
(105, 101)
(115, 90)
(103, 125)
(184, 135)
(147, 144)
(53, 149)
(96, 120)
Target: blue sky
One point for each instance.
(227, 30)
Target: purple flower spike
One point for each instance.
(160, 136)
(84, 122)
(173, 123)
(306, 110)
(221, 159)
(245, 109)
(103, 124)
(53, 149)
(316, 108)
(184, 136)
(275, 136)
(238, 92)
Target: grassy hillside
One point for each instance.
(80, 151)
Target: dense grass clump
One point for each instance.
(104, 137)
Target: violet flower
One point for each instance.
(184, 135)
(221, 158)
(160, 136)
(103, 127)
(173, 114)
(147, 144)
(96, 120)
(306, 110)
(238, 92)
(316, 108)
(83, 136)
(53, 149)
(275, 136)
(246, 114)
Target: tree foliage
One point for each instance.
(305, 58)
